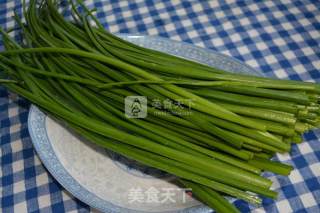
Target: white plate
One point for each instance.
(107, 181)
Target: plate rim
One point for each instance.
(74, 187)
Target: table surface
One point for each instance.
(281, 38)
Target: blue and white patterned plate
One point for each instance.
(105, 180)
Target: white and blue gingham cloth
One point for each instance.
(281, 38)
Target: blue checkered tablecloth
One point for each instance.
(281, 38)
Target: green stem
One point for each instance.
(272, 166)
(213, 199)
(247, 100)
